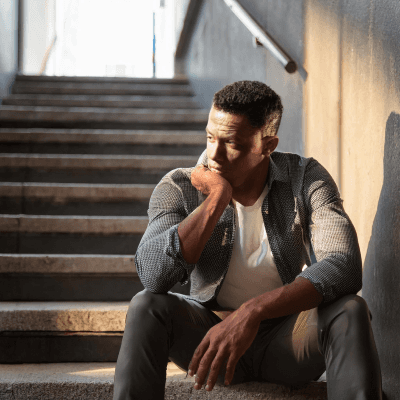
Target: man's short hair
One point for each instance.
(257, 101)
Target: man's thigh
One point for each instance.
(292, 355)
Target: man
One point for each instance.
(244, 225)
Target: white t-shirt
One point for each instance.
(252, 270)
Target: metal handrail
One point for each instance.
(262, 36)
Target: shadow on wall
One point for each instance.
(382, 264)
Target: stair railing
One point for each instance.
(261, 36)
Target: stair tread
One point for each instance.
(67, 264)
(72, 224)
(62, 192)
(63, 316)
(99, 79)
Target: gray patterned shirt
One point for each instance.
(302, 213)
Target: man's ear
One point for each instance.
(270, 143)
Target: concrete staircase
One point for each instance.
(79, 160)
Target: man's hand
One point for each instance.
(224, 344)
(206, 181)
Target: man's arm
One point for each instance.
(298, 296)
(196, 229)
(164, 255)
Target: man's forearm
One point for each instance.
(195, 230)
(300, 295)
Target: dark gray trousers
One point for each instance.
(336, 337)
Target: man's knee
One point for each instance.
(351, 307)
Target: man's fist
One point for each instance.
(208, 181)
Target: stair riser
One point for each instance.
(17, 348)
(185, 104)
(19, 205)
(73, 287)
(99, 79)
(68, 244)
(101, 148)
(118, 124)
(81, 176)
(102, 90)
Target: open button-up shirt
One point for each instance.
(302, 212)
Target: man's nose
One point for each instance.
(216, 151)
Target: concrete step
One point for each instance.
(74, 199)
(84, 225)
(75, 277)
(102, 88)
(57, 100)
(61, 331)
(101, 142)
(104, 118)
(97, 162)
(38, 234)
(67, 264)
(80, 136)
(95, 381)
(119, 169)
(63, 316)
(99, 79)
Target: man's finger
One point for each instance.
(218, 367)
(230, 369)
(197, 355)
(204, 367)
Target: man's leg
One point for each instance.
(347, 341)
(338, 337)
(160, 327)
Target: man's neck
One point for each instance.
(249, 192)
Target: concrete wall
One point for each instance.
(343, 109)
(352, 119)
(222, 52)
(8, 45)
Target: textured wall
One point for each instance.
(221, 52)
(8, 44)
(351, 108)
(343, 109)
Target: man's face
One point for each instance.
(234, 147)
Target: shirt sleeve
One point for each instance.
(159, 260)
(338, 270)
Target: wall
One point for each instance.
(351, 108)
(342, 107)
(8, 45)
(222, 52)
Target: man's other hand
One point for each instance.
(208, 181)
(223, 346)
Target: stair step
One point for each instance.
(42, 135)
(54, 331)
(62, 193)
(102, 88)
(95, 381)
(63, 316)
(74, 199)
(97, 161)
(87, 225)
(99, 79)
(75, 277)
(101, 142)
(67, 264)
(56, 100)
(97, 117)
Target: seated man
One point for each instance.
(244, 225)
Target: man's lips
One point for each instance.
(217, 169)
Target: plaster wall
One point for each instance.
(221, 52)
(8, 45)
(352, 121)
